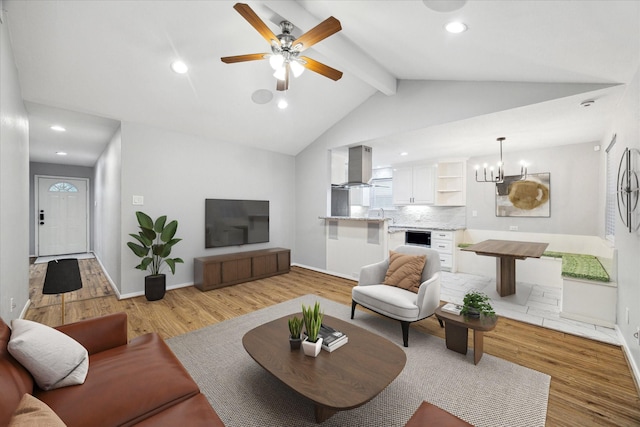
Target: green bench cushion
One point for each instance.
(579, 266)
(583, 267)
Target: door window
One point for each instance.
(64, 187)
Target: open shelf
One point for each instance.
(451, 183)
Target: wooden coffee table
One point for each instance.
(344, 379)
(456, 330)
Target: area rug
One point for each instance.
(493, 393)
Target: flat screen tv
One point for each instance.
(235, 222)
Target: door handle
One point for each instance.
(41, 217)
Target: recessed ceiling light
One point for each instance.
(58, 128)
(282, 104)
(61, 153)
(456, 27)
(179, 67)
(404, 153)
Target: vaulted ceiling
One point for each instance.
(96, 63)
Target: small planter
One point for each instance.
(295, 343)
(312, 348)
(155, 287)
(473, 313)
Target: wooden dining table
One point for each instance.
(506, 253)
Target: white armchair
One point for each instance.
(397, 303)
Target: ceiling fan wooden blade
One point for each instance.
(257, 23)
(320, 32)
(284, 84)
(243, 58)
(320, 68)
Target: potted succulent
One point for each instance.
(312, 318)
(295, 328)
(476, 303)
(154, 242)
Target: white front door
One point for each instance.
(62, 217)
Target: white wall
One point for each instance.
(14, 186)
(416, 105)
(176, 172)
(574, 201)
(626, 126)
(106, 188)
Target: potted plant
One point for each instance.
(295, 328)
(154, 242)
(476, 303)
(312, 317)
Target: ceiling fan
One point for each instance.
(285, 56)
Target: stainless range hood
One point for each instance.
(360, 167)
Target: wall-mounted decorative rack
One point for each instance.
(628, 190)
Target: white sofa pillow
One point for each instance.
(54, 359)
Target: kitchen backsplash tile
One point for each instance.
(419, 216)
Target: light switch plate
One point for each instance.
(138, 200)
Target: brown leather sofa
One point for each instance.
(129, 383)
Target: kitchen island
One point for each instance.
(355, 242)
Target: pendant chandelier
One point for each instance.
(496, 175)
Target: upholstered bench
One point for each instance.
(430, 415)
(578, 266)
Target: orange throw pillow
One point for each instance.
(405, 271)
(33, 412)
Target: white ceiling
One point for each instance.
(109, 61)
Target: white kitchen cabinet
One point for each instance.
(413, 185)
(451, 183)
(445, 243)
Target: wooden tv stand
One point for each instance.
(217, 271)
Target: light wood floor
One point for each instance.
(591, 382)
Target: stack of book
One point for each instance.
(331, 339)
(452, 308)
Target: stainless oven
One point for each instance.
(418, 237)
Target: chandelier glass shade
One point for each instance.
(496, 174)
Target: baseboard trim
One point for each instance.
(104, 270)
(635, 372)
(23, 312)
(322, 270)
(141, 293)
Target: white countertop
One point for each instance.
(350, 218)
(397, 228)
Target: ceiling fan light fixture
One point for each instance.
(276, 61)
(285, 47)
(280, 73)
(296, 68)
